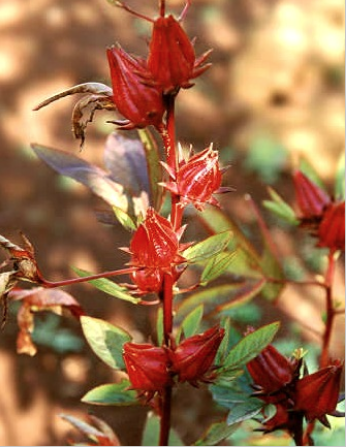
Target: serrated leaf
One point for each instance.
(215, 433)
(278, 206)
(249, 347)
(108, 286)
(117, 394)
(105, 340)
(216, 266)
(208, 247)
(191, 322)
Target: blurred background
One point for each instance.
(275, 94)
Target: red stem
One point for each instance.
(330, 313)
(67, 282)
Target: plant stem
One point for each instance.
(168, 136)
(330, 313)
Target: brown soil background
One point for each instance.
(277, 71)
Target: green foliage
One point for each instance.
(61, 340)
(339, 188)
(266, 157)
(216, 433)
(151, 433)
(117, 394)
(279, 207)
(249, 347)
(208, 248)
(105, 340)
(109, 287)
(191, 323)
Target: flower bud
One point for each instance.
(172, 60)
(192, 360)
(331, 231)
(271, 373)
(148, 280)
(198, 179)
(155, 244)
(317, 394)
(134, 94)
(310, 198)
(147, 366)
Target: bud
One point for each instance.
(155, 244)
(134, 94)
(192, 360)
(198, 179)
(172, 60)
(148, 280)
(331, 231)
(311, 199)
(317, 394)
(272, 373)
(147, 366)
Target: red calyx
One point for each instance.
(192, 360)
(135, 94)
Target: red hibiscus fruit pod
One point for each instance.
(134, 94)
(311, 199)
(155, 244)
(198, 179)
(172, 60)
(331, 231)
(147, 366)
(271, 371)
(317, 394)
(148, 280)
(193, 359)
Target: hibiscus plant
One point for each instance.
(149, 183)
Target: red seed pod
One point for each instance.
(331, 231)
(317, 394)
(272, 374)
(135, 95)
(155, 244)
(147, 366)
(311, 199)
(192, 360)
(198, 179)
(148, 280)
(172, 60)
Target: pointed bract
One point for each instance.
(135, 95)
(331, 232)
(172, 60)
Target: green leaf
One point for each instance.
(207, 248)
(191, 322)
(306, 168)
(112, 394)
(249, 347)
(339, 189)
(243, 411)
(247, 258)
(220, 298)
(108, 286)
(278, 206)
(152, 430)
(216, 266)
(215, 433)
(105, 340)
(124, 219)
